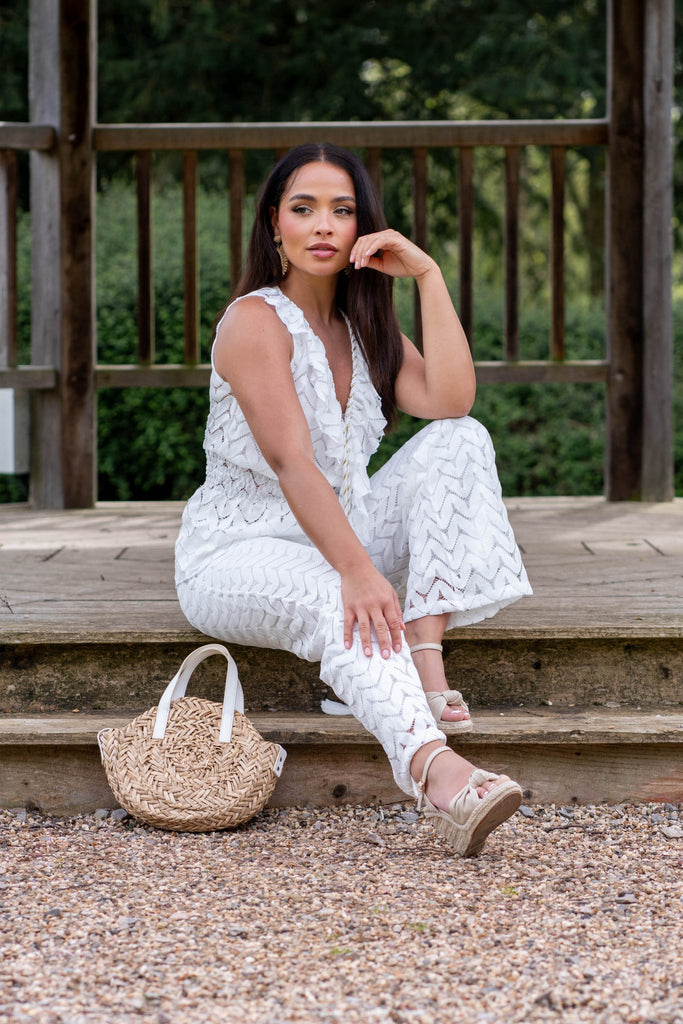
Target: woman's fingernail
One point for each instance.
(398, 647)
(368, 651)
(347, 644)
(386, 653)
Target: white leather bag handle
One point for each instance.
(233, 697)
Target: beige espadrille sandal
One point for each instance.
(438, 700)
(470, 818)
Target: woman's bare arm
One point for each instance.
(440, 383)
(253, 352)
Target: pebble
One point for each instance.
(344, 915)
(376, 840)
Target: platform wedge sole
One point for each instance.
(470, 818)
(468, 839)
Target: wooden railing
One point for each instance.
(374, 138)
(14, 138)
(64, 375)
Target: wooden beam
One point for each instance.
(639, 454)
(62, 92)
(539, 371)
(168, 375)
(15, 135)
(383, 134)
(29, 378)
(177, 375)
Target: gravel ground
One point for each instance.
(344, 915)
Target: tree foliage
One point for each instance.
(262, 60)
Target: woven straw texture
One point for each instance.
(188, 781)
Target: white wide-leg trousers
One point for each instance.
(440, 535)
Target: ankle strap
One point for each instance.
(423, 781)
(426, 647)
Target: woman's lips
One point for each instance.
(323, 251)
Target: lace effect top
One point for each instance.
(241, 497)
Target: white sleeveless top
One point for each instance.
(241, 497)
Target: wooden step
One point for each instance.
(97, 670)
(90, 630)
(571, 755)
(89, 616)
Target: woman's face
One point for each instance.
(316, 219)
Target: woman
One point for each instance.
(288, 544)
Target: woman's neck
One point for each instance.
(315, 296)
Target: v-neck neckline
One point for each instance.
(354, 360)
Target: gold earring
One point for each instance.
(284, 262)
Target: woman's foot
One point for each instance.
(446, 776)
(446, 705)
(462, 802)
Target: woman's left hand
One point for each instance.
(390, 253)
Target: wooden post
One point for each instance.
(14, 409)
(8, 258)
(465, 237)
(511, 249)
(639, 451)
(658, 434)
(62, 69)
(143, 178)
(237, 192)
(557, 274)
(190, 257)
(420, 191)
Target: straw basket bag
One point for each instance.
(188, 764)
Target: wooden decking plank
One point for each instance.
(582, 726)
(622, 582)
(580, 758)
(72, 781)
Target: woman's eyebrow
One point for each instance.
(311, 199)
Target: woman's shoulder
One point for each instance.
(252, 302)
(250, 330)
(254, 311)
(267, 309)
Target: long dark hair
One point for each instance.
(365, 296)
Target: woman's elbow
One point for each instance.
(461, 404)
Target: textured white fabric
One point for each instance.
(432, 520)
(241, 496)
(442, 534)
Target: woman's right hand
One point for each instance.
(371, 602)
